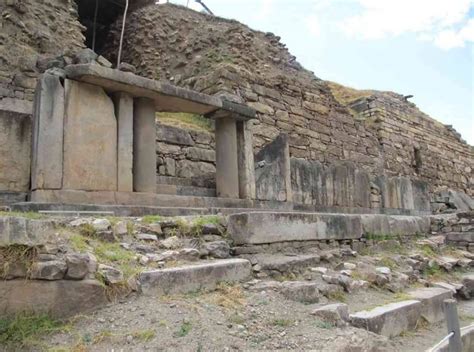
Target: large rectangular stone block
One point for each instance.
(124, 113)
(194, 277)
(15, 151)
(389, 320)
(48, 129)
(90, 139)
(259, 228)
(431, 299)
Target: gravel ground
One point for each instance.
(232, 319)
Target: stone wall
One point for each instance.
(458, 228)
(186, 154)
(416, 145)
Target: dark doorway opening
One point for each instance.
(103, 13)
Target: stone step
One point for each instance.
(185, 190)
(431, 299)
(389, 320)
(195, 277)
(272, 227)
(180, 181)
(460, 236)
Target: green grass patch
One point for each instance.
(150, 219)
(29, 215)
(186, 121)
(323, 324)
(87, 230)
(388, 262)
(25, 330)
(184, 329)
(144, 335)
(338, 296)
(79, 243)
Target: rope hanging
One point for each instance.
(119, 57)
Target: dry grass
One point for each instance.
(346, 95)
(228, 296)
(186, 121)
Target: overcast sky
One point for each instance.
(419, 47)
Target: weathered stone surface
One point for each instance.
(23, 231)
(301, 291)
(195, 153)
(173, 135)
(110, 274)
(48, 270)
(468, 286)
(395, 224)
(90, 139)
(227, 167)
(15, 151)
(431, 299)
(273, 171)
(285, 263)
(60, 299)
(124, 112)
(47, 158)
(336, 314)
(194, 277)
(216, 249)
(255, 228)
(78, 266)
(389, 320)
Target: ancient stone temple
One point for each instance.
(316, 145)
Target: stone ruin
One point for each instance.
(298, 163)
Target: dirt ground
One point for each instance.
(232, 319)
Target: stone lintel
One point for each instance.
(167, 97)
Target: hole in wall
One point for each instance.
(418, 163)
(107, 13)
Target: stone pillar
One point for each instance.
(47, 146)
(245, 160)
(144, 146)
(124, 112)
(227, 170)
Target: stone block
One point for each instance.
(23, 231)
(173, 135)
(124, 112)
(431, 299)
(301, 291)
(194, 153)
(259, 228)
(47, 158)
(194, 277)
(90, 139)
(60, 299)
(273, 171)
(15, 151)
(336, 314)
(389, 320)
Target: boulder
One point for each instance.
(172, 242)
(110, 274)
(49, 270)
(78, 266)
(146, 237)
(217, 249)
(101, 224)
(301, 291)
(336, 314)
(468, 286)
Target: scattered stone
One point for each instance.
(320, 269)
(383, 270)
(110, 274)
(217, 249)
(172, 242)
(468, 286)
(190, 254)
(345, 266)
(85, 56)
(121, 228)
(446, 286)
(77, 266)
(336, 314)
(301, 291)
(146, 237)
(103, 61)
(127, 67)
(50, 270)
(101, 224)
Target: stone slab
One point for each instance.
(431, 299)
(15, 151)
(395, 224)
(167, 97)
(285, 263)
(90, 139)
(59, 299)
(24, 231)
(196, 277)
(389, 320)
(271, 227)
(460, 236)
(48, 131)
(124, 112)
(18, 106)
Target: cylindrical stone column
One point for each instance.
(227, 169)
(144, 146)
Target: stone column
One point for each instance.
(227, 170)
(144, 146)
(124, 112)
(245, 160)
(47, 146)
